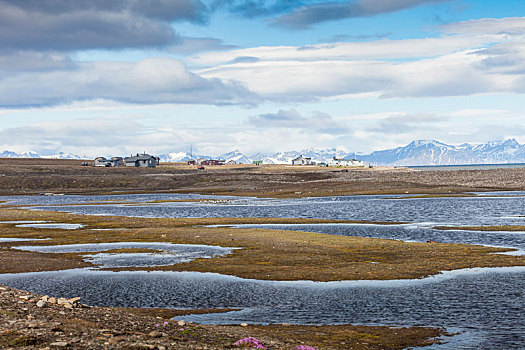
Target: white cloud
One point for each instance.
(453, 65)
(153, 80)
(371, 50)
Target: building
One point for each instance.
(213, 162)
(302, 160)
(142, 161)
(113, 162)
(346, 162)
(101, 161)
(117, 161)
(231, 162)
(192, 162)
(257, 162)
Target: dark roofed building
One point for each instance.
(142, 161)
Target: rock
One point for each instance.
(24, 297)
(45, 298)
(41, 303)
(115, 340)
(181, 323)
(67, 305)
(155, 334)
(60, 344)
(74, 300)
(2, 288)
(244, 324)
(62, 301)
(52, 300)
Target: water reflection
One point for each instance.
(164, 253)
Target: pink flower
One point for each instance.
(157, 325)
(166, 322)
(250, 342)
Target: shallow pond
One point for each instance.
(161, 253)
(487, 304)
(495, 209)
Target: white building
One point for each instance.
(346, 162)
(302, 160)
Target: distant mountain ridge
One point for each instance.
(416, 153)
(31, 154)
(432, 152)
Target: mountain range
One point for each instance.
(416, 153)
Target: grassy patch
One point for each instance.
(266, 254)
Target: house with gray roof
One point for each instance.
(142, 161)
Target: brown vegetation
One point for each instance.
(33, 176)
(265, 254)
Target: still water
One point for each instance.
(486, 304)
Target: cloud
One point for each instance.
(388, 50)
(150, 81)
(78, 136)
(318, 122)
(305, 16)
(508, 26)
(93, 24)
(459, 64)
(346, 37)
(255, 8)
(406, 124)
(189, 45)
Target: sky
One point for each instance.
(97, 77)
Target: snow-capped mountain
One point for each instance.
(31, 154)
(425, 152)
(236, 156)
(61, 155)
(180, 157)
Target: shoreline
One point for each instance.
(27, 326)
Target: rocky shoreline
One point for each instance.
(31, 321)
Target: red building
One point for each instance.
(213, 162)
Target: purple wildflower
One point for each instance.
(250, 342)
(157, 325)
(166, 322)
